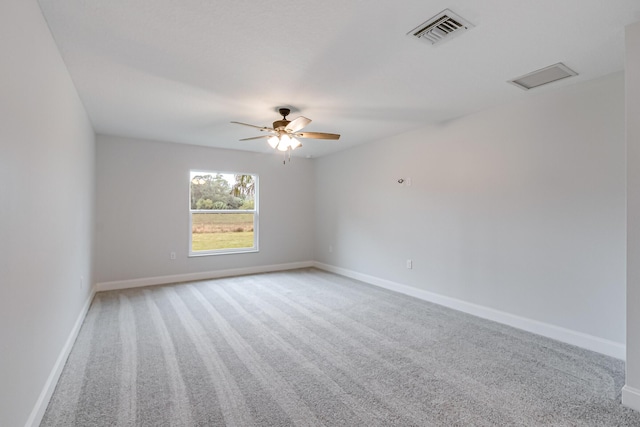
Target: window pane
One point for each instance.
(214, 231)
(217, 191)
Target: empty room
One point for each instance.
(257, 213)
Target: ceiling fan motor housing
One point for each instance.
(280, 124)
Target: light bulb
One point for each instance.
(294, 143)
(285, 141)
(273, 141)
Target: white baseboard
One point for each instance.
(205, 275)
(579, 339)
(35, 418)
(631, 397)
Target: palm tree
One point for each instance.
(245, 186)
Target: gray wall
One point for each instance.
(631, 393)
(519, 208)
(143, 208)
(46, 207)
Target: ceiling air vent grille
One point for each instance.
(441, 27)
(540, 77)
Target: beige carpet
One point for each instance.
(308, 348)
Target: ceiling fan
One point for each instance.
(285, 133)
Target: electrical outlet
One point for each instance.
(409, 264)
(172, 255)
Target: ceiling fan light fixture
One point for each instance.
(273, 141)
(295, 143)
(285, 142)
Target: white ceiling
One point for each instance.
(180, 71)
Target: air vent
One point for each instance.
(441, 27)
(549, 74)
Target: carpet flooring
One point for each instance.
(309, 348)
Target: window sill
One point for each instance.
(224, 252)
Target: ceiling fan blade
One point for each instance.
(256, 137)
(318, 135)
(297, 124)
(263, 128)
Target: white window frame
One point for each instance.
(254, 211)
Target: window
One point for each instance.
(223, 213)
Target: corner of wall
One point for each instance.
(35, 418)
(631, 398)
